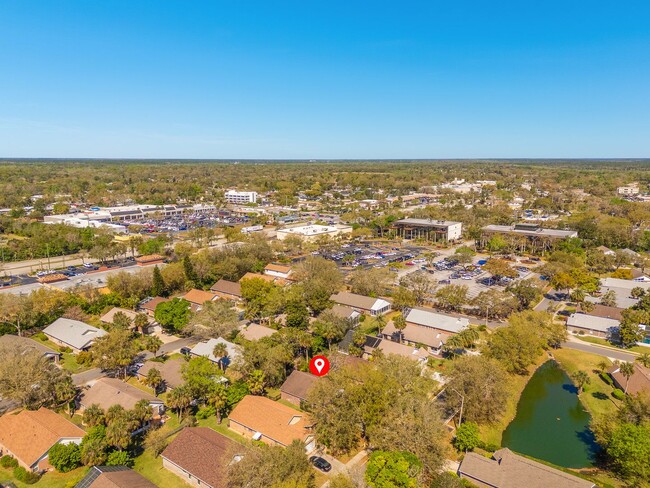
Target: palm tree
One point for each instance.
(153, 380)
(380, 320)
(93, 451)
(141, 322)
(142, 412)
(400, 324)
(179, 399)
(580, 378)
(627, 370)
(152, 343)
(218, 398)
(118, 432)
(93, 415)
(220, 352)
(469, 337)
(602, 366)
(256, 382)
(644, 359)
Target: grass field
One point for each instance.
(49, 480)
(151, 468)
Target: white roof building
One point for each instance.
(73, 333)
(591, 322)
(206, 349)
(313, 231)
(436, 320)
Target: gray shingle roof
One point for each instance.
(75, 333)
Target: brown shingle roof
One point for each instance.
(639, 381)
(170, 371)
(107, 392)
(254, 332)
(110, 315)
(278, 268)
(250, 276)
(353, 300)
(298, 384)
(121, 479)
(227, 288)
(199, 297)
(420, 335)
(604, 311)
(153, 303)
(509, 470)
(203, 453)
(25, 344)
(30, 434)
(272, 419)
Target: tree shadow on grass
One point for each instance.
(599, 395)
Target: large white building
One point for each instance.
(631, 189)
(313, 231)
(234, 196)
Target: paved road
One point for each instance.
(602, 351)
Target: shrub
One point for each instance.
(8, 462)
(618, 394)
(65, 457)
(65, 349)
(467, 437)
(39, 336)
(85, 357)
(205, 413)
(488, 446)
(119, 458)
(606, 378)
(27, 477)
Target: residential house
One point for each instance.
(347, 313)
(581, 323)
(201, 456)
(390, 347)
(29, 435)
(606, 251)
(603, 311)
(227, 290)
(639, 381)
(114, 477)
(198, 297)
(25, 344)
(424, 327)
(206, 349)
(108, 317)
(170, 370)
(262, 419)
(149, 306)
(254, 332)
(277, 270)
(74, 334)
(296, 387)
(363, 304)
(265, 277)
(508, 470)
(622, 289)
(107, 392)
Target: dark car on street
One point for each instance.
(320, 463)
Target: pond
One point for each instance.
(551, 423)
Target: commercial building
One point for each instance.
(241, 197)
(428, 229)
(313, 231)
(525, 237)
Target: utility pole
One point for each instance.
(462, 404)
(47, 252)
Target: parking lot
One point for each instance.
(445, 272)
(369, 256)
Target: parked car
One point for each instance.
(185, 351)
(320, 463)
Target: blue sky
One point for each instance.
(324, 79)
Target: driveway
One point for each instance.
(80, 379)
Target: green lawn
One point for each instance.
(597, 395)
(152, 469)
(68, 360)
(49, 480)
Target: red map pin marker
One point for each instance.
(319, 366)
